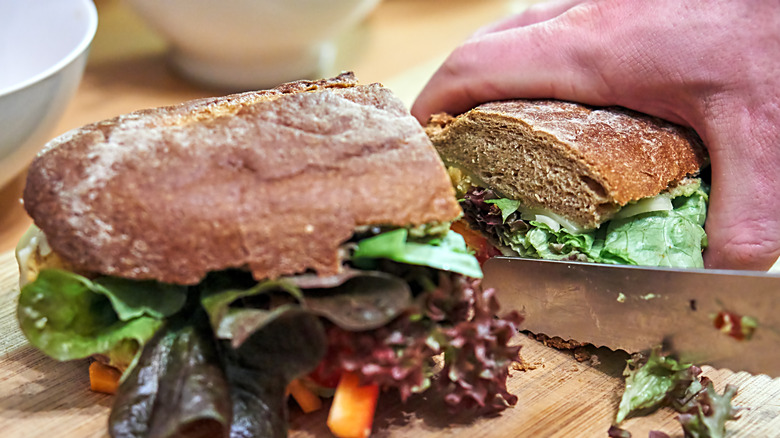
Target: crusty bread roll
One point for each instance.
(579, 162)
(274, 181)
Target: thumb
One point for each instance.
(593, 52)
(519, 62)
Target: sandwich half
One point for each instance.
(559, 180)
(217, 251)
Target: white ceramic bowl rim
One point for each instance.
(89, 35)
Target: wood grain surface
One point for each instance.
(561, 397)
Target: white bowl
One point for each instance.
(251, 44)
(43, 50)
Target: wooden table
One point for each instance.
(400, 45)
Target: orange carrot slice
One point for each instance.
(306, 399)
(352, 412)
(483, 250)
(103, 378)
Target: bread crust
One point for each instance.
(580, 162)
(274, 181)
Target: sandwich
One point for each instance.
(559, 180)
(222, 252)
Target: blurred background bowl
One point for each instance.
(251, 44)
(43, 51)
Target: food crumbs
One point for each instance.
(525, 366)
(738, 327)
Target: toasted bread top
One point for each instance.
(274, 181)
(580, 162)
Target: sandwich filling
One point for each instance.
(403, 297)
(663, 230)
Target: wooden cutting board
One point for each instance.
(561, 397)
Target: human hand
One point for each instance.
(713, 66)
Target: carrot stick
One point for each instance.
(352, 412)
(483, 250)
(103, 378)
(306, 399)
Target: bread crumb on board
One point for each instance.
(581, 353)
(522, 365)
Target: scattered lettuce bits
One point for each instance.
(662, 381)
(708, 417)
(648, 385)
(447, 254)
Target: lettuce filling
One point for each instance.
(402, 295)
(664, 231)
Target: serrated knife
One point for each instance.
(727, 319)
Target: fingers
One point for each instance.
(534, 14)
(550, 59)
(594, 52)
(743, 223)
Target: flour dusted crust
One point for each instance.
(580, 162)
(274, 181)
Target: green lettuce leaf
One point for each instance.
(238, 323)
(663, 238)
(561, 244)
(507, 206)
(364, 302)
(354, 300)
(673, 238)
(447, 254)
(650, 384)
(541, 241)
(655, 239)
(131, 299)
(68, 316)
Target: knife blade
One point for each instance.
(726, 319)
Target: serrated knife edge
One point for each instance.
(636, 308)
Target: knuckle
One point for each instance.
(749, 250)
